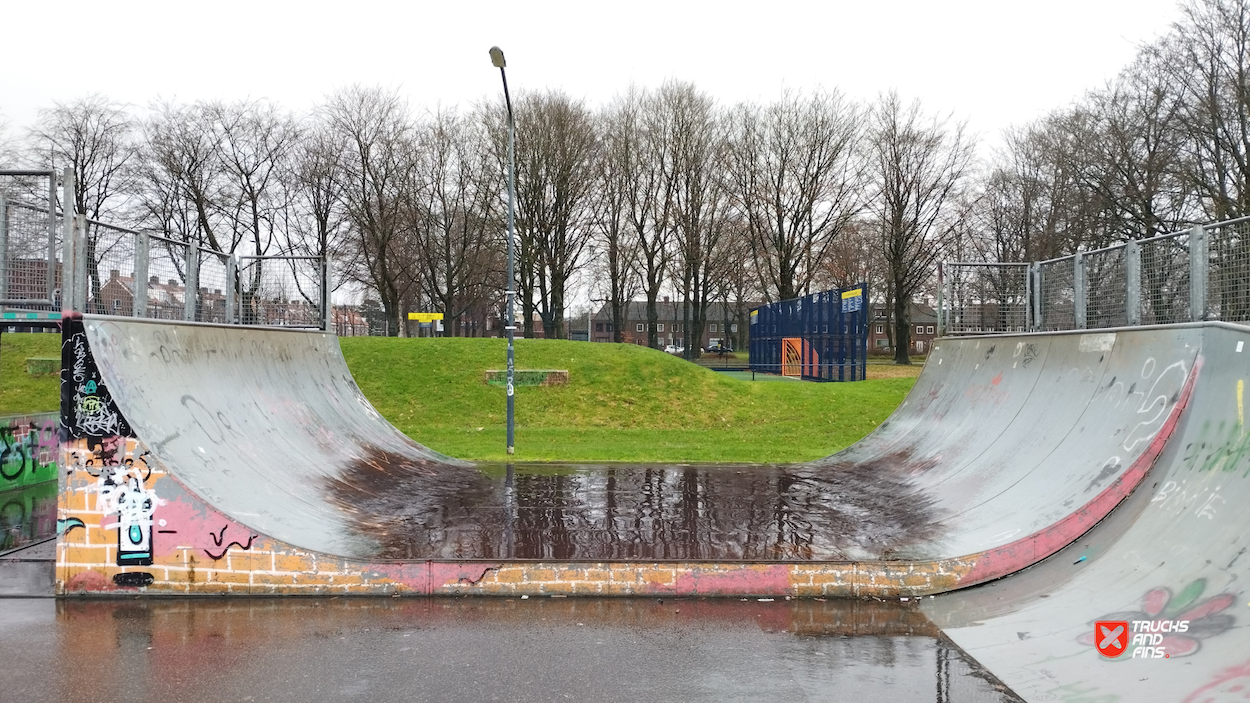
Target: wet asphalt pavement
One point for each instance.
(444, 649)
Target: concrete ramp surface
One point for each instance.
(208, 458)
(1176, 552)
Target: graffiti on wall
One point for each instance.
(87, 409)
(122, 496)
(28, 446)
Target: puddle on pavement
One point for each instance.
(418, 510)
(451, 649)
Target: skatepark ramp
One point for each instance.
(1175, 552)
(204, 458)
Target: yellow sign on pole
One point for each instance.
(424, 317)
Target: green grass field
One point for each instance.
(19, 391)
(622, 403)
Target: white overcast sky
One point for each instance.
(995, 63)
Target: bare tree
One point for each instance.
(1131, 154)
(455, 220)
(555, 150)
(618, 171)
(374, 126)
(313, 214)
(181, 174)
(797, 181)
(8, 144)
(692, 156)
(1208, 57)
(93, 136)
(917, 162)
(652, 203)
(254, 145)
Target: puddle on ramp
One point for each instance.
(416, 510)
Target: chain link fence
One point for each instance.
(1199, 274)
(284, 291)
(984, 298)
(1056, 285)
(30, 239)
(1164, 296)
(120, 271)
(1228, 271)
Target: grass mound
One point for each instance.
(19, 391)
(622, 402)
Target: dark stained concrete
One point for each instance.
(416, 509)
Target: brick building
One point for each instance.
(722, 326)
(923, 328)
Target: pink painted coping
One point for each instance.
(1014, 556)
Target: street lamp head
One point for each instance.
(496, 57)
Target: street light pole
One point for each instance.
(497, 60)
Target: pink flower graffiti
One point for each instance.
(1205, 615)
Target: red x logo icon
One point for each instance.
(1111, 637)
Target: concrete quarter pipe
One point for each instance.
(206, 459)
(1176, 552)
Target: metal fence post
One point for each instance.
(1039, 315)
(51, 287)
(67, 243)
(1078, 291)
(327, 308)
(1198, 263)
(1028, 298)
(82, 288)
(1132, 282)
(941, 300)
(232, 279)
(140, 304)
(192, 283)
(4, 248)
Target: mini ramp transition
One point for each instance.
(213, 459)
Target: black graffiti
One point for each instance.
(1030, 353)
(64, 526)
(218, 538)
(134, 579)
(10, 446)
(87, 408)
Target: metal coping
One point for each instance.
(93, 317)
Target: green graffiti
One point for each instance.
(1186, 597)
(1223, 447)
(21, 451)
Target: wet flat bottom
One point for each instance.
(443, 649)
(416, 510)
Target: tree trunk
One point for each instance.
(902, 330)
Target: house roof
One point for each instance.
(636, 311)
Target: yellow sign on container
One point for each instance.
(425, 316)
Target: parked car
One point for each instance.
(719, 349)
(673, 349)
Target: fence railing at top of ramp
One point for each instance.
(1199, 274)
(105, 269)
